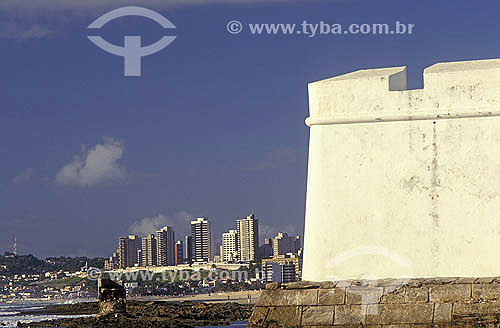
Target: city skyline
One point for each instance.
(239, 245)
(152, 237)
(154, 231)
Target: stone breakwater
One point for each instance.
(394, 303)
(150, 315)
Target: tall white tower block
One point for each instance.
(404, 183)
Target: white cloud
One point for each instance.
(179, 221)
(100, 164)
(23, 177)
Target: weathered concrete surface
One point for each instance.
(404, 183)
(387, 303)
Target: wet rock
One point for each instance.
(158, 315)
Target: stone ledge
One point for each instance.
(435, 302)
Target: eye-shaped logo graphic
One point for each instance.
(132, 51)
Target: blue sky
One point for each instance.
(214, 127)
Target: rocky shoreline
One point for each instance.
(147, 315)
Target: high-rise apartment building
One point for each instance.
(297, 244)
(281, 244)
(229, 251)
(139, 255)
(188, 249)
(280, 272)
(221, 254)
(248, 239)
(202, 240)
(122, 252)
(179, 252)
(284, 244)
(266, 250)
(287, 264)
(165, 240)
(149, 251)
(112, 263)
(127, 251)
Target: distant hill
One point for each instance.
(29, 264)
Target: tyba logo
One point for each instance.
(132, 51)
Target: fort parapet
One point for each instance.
(459, 89)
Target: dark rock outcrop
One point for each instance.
(156, 315)
(112, 297)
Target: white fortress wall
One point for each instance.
(404, 183)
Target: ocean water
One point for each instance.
(11, 314)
